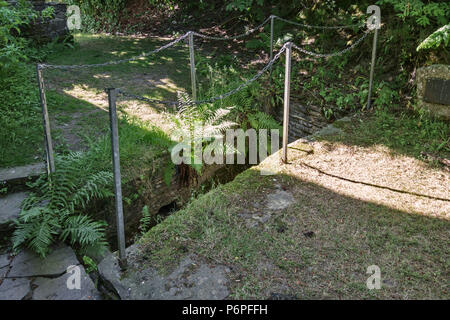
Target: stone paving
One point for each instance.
(190, 280)
(28, 277)
(10, 209)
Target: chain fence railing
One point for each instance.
(332, 54)
(212, 99)
(350, 26)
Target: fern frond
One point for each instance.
(84, 231)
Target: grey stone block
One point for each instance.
(279, 200)
(4, 260)
(28, 264)
(437, 71)
(10, 207)
(57, 288)
(188, 281)
(14, 289)
(21, 173)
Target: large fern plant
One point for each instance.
(213, 124)
(54, 211)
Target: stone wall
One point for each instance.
(49, 29)
(155, 193)
(303, 120)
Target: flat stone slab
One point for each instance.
(279, 200)
(21, 173)
(28, 264)
(57, 288)
(14, 289)
(329, 130)
(10, 207)
(188, 281)
(4, 260)
(30, 277)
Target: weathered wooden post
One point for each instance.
(46, 122)
(112, 96)
(192, 63)
(287, 92)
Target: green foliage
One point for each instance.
(14, 47)
(199, 125)
(145, 221)
(434, 40)
(54, 211)
(89, 264)
(168, 173)
(262, 120)
(422, 13)
(21, 119)
(99, 14)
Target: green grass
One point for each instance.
(411, 250)
(149, 76)
(405, 132)
(21, 133)
(21, 121)
(350, 234)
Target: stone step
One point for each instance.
(10, 206)
(17, 176)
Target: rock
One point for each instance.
(279, 200)
(57, 289)
(28, 264)
(262, 218)
(329, 130)
(188, 281)
(437, 71)
(14, 289)
(10, 209)
(4, 260)
(21, 173)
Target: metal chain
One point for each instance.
(149, 100)
(201, 35)
(321, 55)
(359, 25)
(220, 97)
(246, 83)
(67, 67)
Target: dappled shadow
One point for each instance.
(157, 76)
(401, 134)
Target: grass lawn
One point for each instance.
(321, 245)
(76, 99)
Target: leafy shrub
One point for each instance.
(14, 48)
(100, 14)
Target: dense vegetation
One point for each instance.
(415, 33)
